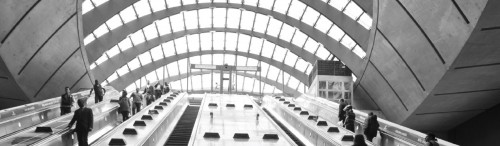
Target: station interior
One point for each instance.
(251, 72)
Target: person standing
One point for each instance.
(359, 140)
(341, 115)
(124, 105)
(84, 119)
(157, 91)
(371, 126)
(66, 102)
(167, 89)
(430, 140)
(99, 92)
(137, 98)
(349, 119)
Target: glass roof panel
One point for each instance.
(290, 59)
(101, 30)
(247, 20)
(218, 59)
(241, 61)
(193, 42)
(177, 22)
(298, 9)
(301, 65)
(339, 4)
(113, 51)
(231, 40)
(188, 2)
(173, 3)
(113, 77)
(235, 1)
(252, 62)
(299, 38)
(233, 18)
(248, 84)
(219, 17)
(142, 8)
(97, 3)
(87, 6)
(88, 39)
(191, 18)
(309, 69)
(159, 72)
(239, 83)
(310, 16)
(205, 18)
(281, 6)
(365, 20)
(266, 4)
(163, 26)
(322, 52)
(260, 23)
(243, 43)
(273, 73)
(206, 59)
(286, 32)
(323, 24)
(218, 40)
(101, 59)
(183, 66)
(353, 10)
(122, 70)
(279, 53)
(157, 5)
(220, 1)
(157, 53)
(229, 59)
(206, 41)
(348, 42)
(92, 66)
(150, 31)
(256, 86)
(128, 14)
(311, 45)
(181, 45)
(172, 68)
(195, 60)
(336, 33)
(137, 37)
(264, 67)
(274, 27)
(256, 46)
(175, 85)
(151, 77)
(251, 2)
(293, 83)
(268, 49)
(168, 48)
(145, 58)
(134, 64)
(114, 22)
(358, 51)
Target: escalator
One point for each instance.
(182, 131)
(285, 129)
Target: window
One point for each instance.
(310, 16)
(145, 58)
(142, 8)
(323, 24)
(298, 9)
(191, 18)
(134, 64)
(114, 22)
(113, 51)
(128, 14)
(157, 53)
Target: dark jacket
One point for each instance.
(371, 127)
(67, 100)
(124, 104)
(349, 120)
(84, 119)
(99, 90)
(341, 115)
(432, 143)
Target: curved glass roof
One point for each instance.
(237, 44)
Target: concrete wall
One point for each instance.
(480, 130)
(41, 50)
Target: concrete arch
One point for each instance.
(101, 14)
(104, 71)
(121, 84)
(114, 63)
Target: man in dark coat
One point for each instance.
(99, 92)
(84, 119)
(66, 102)
(371, 126)
(341, 115)
(350, 118)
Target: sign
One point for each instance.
(247, 68)
(203, 66)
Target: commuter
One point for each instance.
(137, 98)
(84, 119)
(66, 102)
(99, 92)
(350, 118)
(157, 91)
(431, 140)
(124, 105)
(371, 127)
(341, 115)
(162, 89)
(359, 140)
(167, 89)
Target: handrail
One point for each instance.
(197, 122)
(395, 130)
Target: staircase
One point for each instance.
(183, 129)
